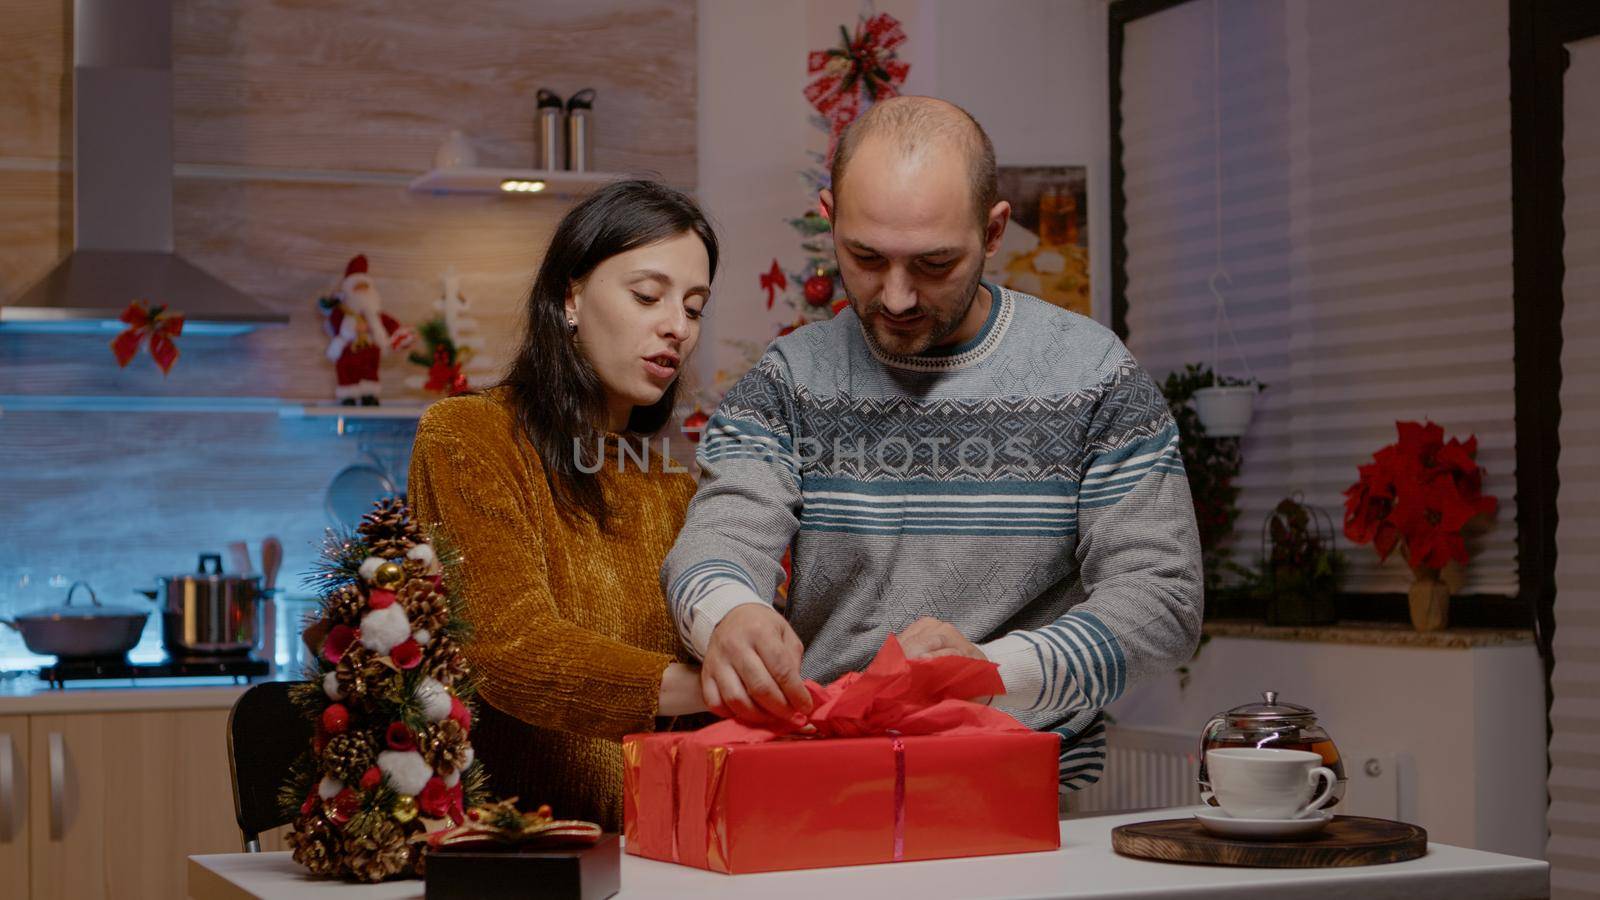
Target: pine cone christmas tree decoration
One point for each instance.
(348, 755)
(352, 676)
(425, 607)
(444, 660)
(444, 746)
(316, 845)
(381, 852)
(388, 529)
(345, 605)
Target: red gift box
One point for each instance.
(899, 768)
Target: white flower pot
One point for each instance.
(1225, 411)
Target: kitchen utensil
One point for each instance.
(209, 612)
(547, 135)
(1271, 723)
(352, 490)
(239, 557)
(271, 559)
(580, 131)
(97, 630)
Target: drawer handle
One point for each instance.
(58, 784)
(8, 788)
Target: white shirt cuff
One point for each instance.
(1020, 669)
(717, 603)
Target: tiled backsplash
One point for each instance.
(117, 499)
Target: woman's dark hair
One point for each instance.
(556, 396)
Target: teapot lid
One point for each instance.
(1270, 708)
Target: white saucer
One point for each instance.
(1223, 825)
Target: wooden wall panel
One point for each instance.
(376, 84)
(35, 78)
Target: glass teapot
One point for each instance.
(1274, 725)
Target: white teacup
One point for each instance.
(1255, 783)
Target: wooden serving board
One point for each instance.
(1346, 841)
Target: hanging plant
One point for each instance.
(1212, 465)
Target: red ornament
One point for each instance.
(380, 598)
(335, 719)
(819, 289)
(339, 639)
(434, 801)
(311, 802)
(343, 806)
(407, 654)
(371, 778)
(460, 713)
(399, 737)
(694, 425)
(840, 304)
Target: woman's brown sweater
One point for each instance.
(570, 627)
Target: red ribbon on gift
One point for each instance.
(862, 67)
(157, 325)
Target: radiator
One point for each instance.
(1151, 768)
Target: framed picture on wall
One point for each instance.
(1045, 251)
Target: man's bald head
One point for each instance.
(915, 126)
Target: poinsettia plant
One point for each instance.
(1419, 495)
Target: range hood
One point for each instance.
(122, 190)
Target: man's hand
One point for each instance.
(751, 671)
(930, 637)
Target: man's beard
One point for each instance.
(937, 327)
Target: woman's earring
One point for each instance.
(572, 327)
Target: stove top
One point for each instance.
(240, 667)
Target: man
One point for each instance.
(974, 469)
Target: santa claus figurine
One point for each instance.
(361, 333)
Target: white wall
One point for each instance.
(1033, 72)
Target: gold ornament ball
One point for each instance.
(389, 576)
(405, 808)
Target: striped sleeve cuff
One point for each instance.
(703, 595)
(1074, 663)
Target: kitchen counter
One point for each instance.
(27, 694)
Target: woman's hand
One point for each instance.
(680, 691)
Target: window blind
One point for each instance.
(1574, 817)
(1366, 224)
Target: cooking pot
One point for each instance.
(208, 612)
(96, 630)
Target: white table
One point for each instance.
(1085, 866)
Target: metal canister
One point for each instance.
(547, 136)
(580, 136)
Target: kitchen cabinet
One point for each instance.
(110, 804)
(13, 803)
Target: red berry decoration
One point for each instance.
(819, 289)
(335, 719)
(695, 424)
(840, 304)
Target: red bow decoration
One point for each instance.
(444, 376)
(861, 66)
(158, 325)
(773, 281)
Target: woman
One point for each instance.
(562, 547)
